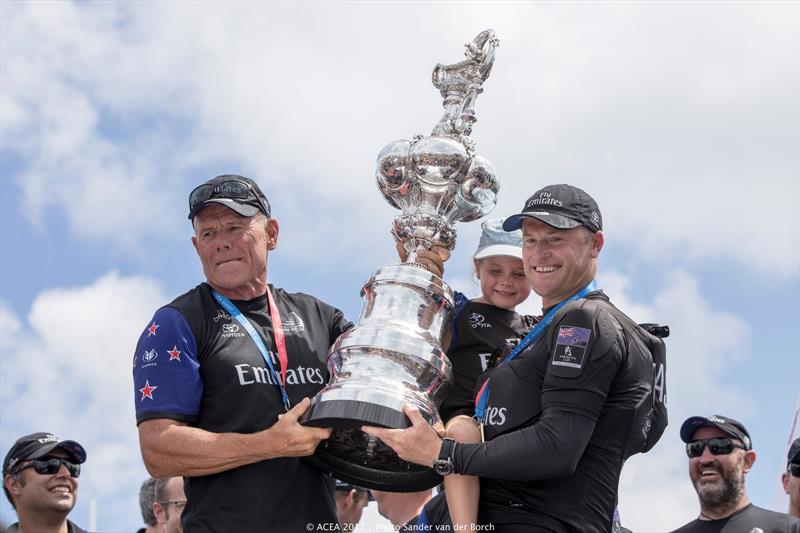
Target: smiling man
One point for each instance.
(720, 455)
(40, 479)
(562, 413)
(222, 373)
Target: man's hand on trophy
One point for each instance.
(287, 438)
(417, 444)
(432, 259)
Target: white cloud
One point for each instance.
(704, 345)
(681, 125)
(67, 369)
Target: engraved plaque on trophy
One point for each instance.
(394, 354)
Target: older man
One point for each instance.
(169, 503)
(147, 497)
(40, 479)
(720, 455)
(222, 373)
(563, 411)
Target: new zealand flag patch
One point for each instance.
(571, 346)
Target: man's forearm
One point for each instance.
(180, 450)
(551, 448)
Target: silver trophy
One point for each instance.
(394, 354)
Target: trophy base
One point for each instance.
(351, 455)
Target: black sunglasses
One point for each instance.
(233, 189)
(794, 469)
(51, 465)
(717, 446)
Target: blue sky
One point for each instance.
(681, 119)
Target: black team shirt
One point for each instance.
(585, 370)
(194, 363)
(478, 329)
(748, 519)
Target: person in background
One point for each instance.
(791, 478)
(147, 496)
(40, 479)
(169, 503)
(401, 507)
(720, 455)
(350, 504)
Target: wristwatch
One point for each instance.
(444, 464)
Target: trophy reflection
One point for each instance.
(394, 354)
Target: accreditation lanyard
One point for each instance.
(482, 398)
(280, 340)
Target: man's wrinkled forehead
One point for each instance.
(215, 213)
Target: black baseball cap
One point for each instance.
(347, 487)
(732, 427)
(560, 206)
(38, 445)
(794, 453)
(235, 192)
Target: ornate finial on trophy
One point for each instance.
(439, 180)
(394, 354)
(461, 83)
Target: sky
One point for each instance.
(682, 119)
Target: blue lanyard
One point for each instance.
(482, 400)
(235, 313)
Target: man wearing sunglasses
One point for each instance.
(40, 479)
(720, 455)
(791, 478)
(170, 501)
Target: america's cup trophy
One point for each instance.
(394, 354)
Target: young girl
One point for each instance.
(480, 327)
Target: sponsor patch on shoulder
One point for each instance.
(571, 346)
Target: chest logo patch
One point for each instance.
(477, 320)
(293, 323)
(571, 346)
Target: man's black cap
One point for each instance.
(38, 445)
(732, 427)
(794, 453)
(560, 206)
(214, 192)
(347, 487)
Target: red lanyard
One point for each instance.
(280, 339)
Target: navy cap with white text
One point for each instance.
(38, 445)
(561, 206)
(731, 427)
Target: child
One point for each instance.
(480, 327)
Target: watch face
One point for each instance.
(443, 467)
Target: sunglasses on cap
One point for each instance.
(232, 189)
(717, 446)
(794, 469)
(51, 465)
